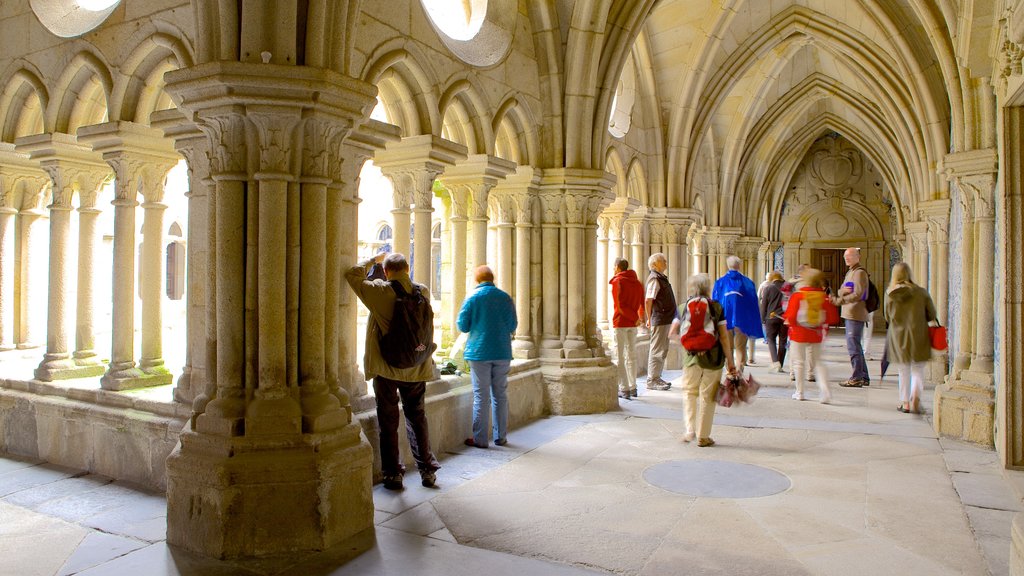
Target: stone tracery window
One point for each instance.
(70, 18)
(478, 32)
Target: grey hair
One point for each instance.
(395, 262)
(733, 262)
(656, 257)
(698, 285)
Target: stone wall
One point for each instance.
(128, 438)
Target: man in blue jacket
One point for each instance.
(488, 317)
(738, 297)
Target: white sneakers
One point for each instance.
(798, 396)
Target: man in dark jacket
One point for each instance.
(488, 317)
(771, 315)
(660, 309)
(628, 297)
(390, 382)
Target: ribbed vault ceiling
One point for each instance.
(746, 86)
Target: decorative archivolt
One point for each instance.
(23, 102)
(515, 133)
(139, 88)
(463, 109)
(85, 86)
(833, 220)
(406, 87)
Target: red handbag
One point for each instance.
(937, 335)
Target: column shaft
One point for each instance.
(400, 217)
(984, 339)
(965, 332)
(421, 246)
(122, 335)
(7, 228)
(271, 268)
(458, 267)
(524, 340)
(85, 353)
(28, 328)
(151, 360)
(503, 268)
(550, 283)
(57, 355)
(606, 269)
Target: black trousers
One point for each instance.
(387, 392)
(777, 333)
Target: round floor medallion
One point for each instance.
(716, 479)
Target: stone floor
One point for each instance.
(870, 491)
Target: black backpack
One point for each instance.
(410, 340)
(871, 302)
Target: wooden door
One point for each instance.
(832, 266)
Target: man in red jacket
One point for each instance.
(628, 296)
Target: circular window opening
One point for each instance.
(457, 19)
(70, 18)
(478, 32)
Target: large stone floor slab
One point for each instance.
(873, 491)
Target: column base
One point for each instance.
(132, 378)
(66, 369)
(236, 498)
(523, 349)
(965, 409)
(579, 386)
(28, 346)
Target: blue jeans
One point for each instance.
(489, 376)
(854, 334)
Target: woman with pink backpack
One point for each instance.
(808, 315)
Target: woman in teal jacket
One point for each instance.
(488, 317)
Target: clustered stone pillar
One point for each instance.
(523, 346)
(965, 404)
(191, 143)
(274, 462)
(469, 182)
(74, 170)
(7, 233)
(21, 186)
(578, 375)
(368, 139)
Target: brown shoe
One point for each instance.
(705, 442)
(851, 383)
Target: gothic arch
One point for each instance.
(405, 88)
(138, 91)
(23, 103)
(514, 126)
(613, 165)
(85, 88)
(463, 110)
(637, 182)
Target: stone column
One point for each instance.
(85, 341)
(361, 144)
(965, 404)
(459, 197)
(605, 268)
(28, 329)
(523, 345)
(503, 206)
(917, 234)
(152, 278)
(571, 202)
(141, 157)
(7, 233)
(73, 169)
(274, 464)
(190, 142)
(412, 164)
(1009, 440)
